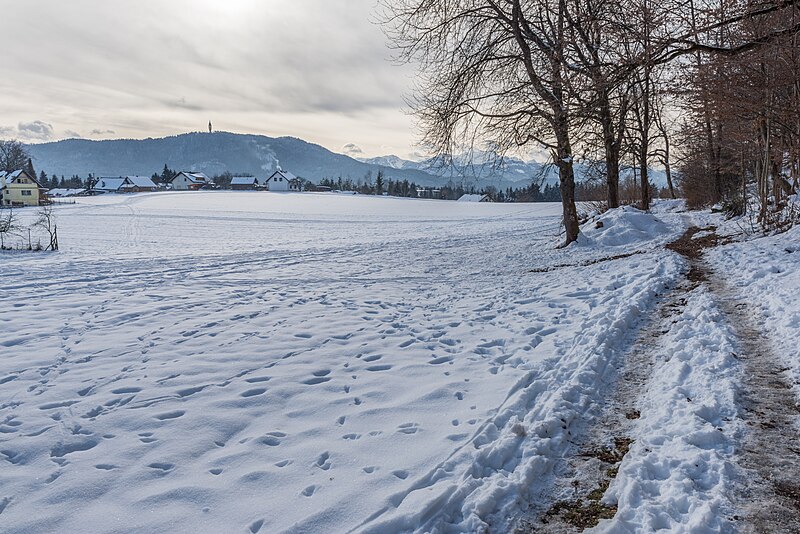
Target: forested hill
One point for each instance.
(212, 154)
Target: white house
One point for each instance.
(283, 181)
(192, 181)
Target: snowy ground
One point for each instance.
(239, 362)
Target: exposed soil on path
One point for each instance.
(769, 454)
(588, 474)
(768, 458)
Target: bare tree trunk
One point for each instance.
(566, 173)
(668, 168)
(611, 149)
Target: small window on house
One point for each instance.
(26, 193)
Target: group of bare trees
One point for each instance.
(16, 235)
(601, 80)
(742, 126)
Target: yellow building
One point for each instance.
(19, 189)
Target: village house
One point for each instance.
(20, 189)
(284, 181)
(245, 183)
(125, 184)
(192, 181)
(108, 185)
(139, 184)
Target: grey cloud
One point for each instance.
(29, 131)
(352, 150)
(303, 59)
(72, 134)
(102, 132)
(35, 131)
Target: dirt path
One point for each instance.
(768, 459)
(574, 501)
(769, 454)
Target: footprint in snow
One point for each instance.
(170, 415)
(125, 391)
(255, 526)
(317, 380)
(309, 491)
(408, 428)
(105, 467)
(324, 461)
(161, 466)
(272, 439)
(253, 392)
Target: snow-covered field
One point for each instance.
(239, 362)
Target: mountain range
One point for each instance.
(258, 155)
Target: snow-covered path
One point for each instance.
(217, 363)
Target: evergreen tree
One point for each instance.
(379, 183)
(29, 169)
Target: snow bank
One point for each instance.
(625, 227)
(677, 474)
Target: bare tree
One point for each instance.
(8, 224)
(13, 156)
(46, 220)
(492, 71)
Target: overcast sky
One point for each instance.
(315, 69)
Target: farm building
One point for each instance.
(245, 183)
(139, 184)
(125, 184)
(19, 189)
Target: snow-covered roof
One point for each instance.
(472, 198)
(109, 184)
(11, 176)
(243, 180)
(65, 192)
(140, 181)
(195, 177)
(286, 175)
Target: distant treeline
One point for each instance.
(537, 191)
